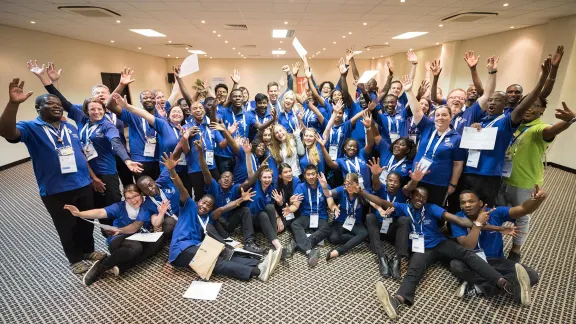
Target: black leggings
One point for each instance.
(347, 239)
(266, 220)
(436, 194)
(126, 253)
(197, 183)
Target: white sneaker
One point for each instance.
(276, 256)
(265, 266)
(115, 270)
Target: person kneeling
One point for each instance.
(128, 218)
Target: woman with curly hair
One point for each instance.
(287, 148)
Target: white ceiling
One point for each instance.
(318, 23)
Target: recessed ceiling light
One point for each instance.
(285, 23)
(277, 55)
(279, 33)
(244, 56)
(279, 48)
(226, 42)
(386, 43)
(203, 21)
(410, 49)
(334, 42)
(168, 54)
(219, 35)
(278, 52)
(281, 42)
(367, 48)
(169, 41)
(199, 52)
(210, 56)
(343, 36)
(312, 56)
(148, 32)
(139, 47)
(117, 21)
(324, 48)
(32, 22)
(111, 41)
(402, 0)
(365, 23)
(176, 56)
(233, 48)
(437, 43)
(372, 58)
(505, 5)
(381, 55)
(213, 32)
(239, 53)
(512, 27)
(349, 33)
(409, 35)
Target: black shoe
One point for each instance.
(395, 267)
(519, 285)
(328, 257)
(93, 274)
(514, 256)
(466, 290)
(252, 247)
(313, 257)
(383, 266)
(390, 303)
(290, 249)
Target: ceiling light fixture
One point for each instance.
(32, 22)
(410, 49)
(437, 43)
(278, 52)
(349, 33)
(372, 58)
(285, 23)
(367, 48)
(386, 43)
(117, 21)
(210, 56)
(213, 32)
(203, 21)
(334, 42)
(226, 41)
(512, 27)
(219, 35)
(199, 52)
(400, 1)
(281, 42)
(239, 53)
(169, 41)
(233, 48)
(168, 55)
(324, 48)
(111, 41)
(147, 32)
(279, 33)
(409, 35)
(365, 23)
(176, 56)
(139, 47)
(505, 5)
(343, 36)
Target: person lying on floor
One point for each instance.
(490, 246)
(192, 227)
(129, 218)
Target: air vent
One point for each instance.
(179, 45)
(467, 17)
(235, 27)
(90, 11)
(248, 46)
(375, 47)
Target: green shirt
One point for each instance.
(526, 152)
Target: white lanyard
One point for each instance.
(164, 198)
(63, 130)
(89, 132)
(458, 119)
(356, 165)
(144, 129)
(477, 244)
(208, 138)
(388, 197)
(392, 167)
(307, 116)
(111, 119)
(332, 137)
(254, 163)
(437, 143)
(288, 119)
(317, 200)
(390, 125)
(204, 224)
(348, 206)
(494, 121)
(420, 222)
(243, 120)
(176, 132)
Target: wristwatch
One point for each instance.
(492, 72)
(572, 121)
(476, 223)
(452, 185)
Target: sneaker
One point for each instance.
(265, 266)
(93, 274)
(252, 247)
(115, 271)
(94, 256)
(290, 249)
(390, 303)
(519, 285)
(313, 257)
(466, 290)
(514, 256)
(276, 256)
(79, 267)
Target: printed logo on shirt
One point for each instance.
(427, 221)
(169, 190)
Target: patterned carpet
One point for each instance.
(36, 285)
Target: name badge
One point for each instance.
(290, 216)
(333, 152)
(424, 164)
(394, 136)
(361, 181)
(67, 160)
(349, 223)
(210, 157)
(413, 137)
(89, 151)
(151, 140)
(182, 160)
(507, 169)
(383, 176)
(481, 254)
(418, 244)
(149, 149)
(314, 220)
(473, 158)
(385, 225)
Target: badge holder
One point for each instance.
(349, 223)
(209, 157)
(383, 176)
(413, 138)
(314, 220)
(182, 160)
(424, 164)
(394, 136)
(473, 158)
(418, 243)
(67, 160)
(361, 181)
(150, 147)
(481, 254)
(290, 216)
(385, 225)
(333, 152)
(89, 151)
(507, 169)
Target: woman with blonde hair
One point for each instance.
(312, 150)
(287, 148)
(290, 115)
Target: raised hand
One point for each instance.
(193, 131)
(168, 161)
(264, 163)
(247, 147)
(322, 179)
(235, 76)
(73, 210)
(320, 140)
(511, 230)
(176, 69)
(163, 208)
(16, 92)
(557, 57)
(546, 67)
(350, 54)
(492, 64)
(126, 76)
(286, 69)
(296, 198)
(407, 83)
(418, 174)
(374, 165)
(135, 167)
(295, 68)
(565, 114)
(484, 215)
(435, 67)
(338, 106)
(411, 56)
(233, 128)
(282, 81)
(160, 109)
(342, 66)
(366, 119)
(538, 194)
(308, 71)
(35, 68)
(471, 59)
(278, 197)
(217, 126)
(198, 146)
(247, 195)
(286, 210)
(427, 65)
(52, 73)
(390, 66)
(387, 212)
(372, 105)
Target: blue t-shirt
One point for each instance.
(119, 214)
(229, 117)
(338, 134)
(188, 231)
(168, 138)
(491, 162)
(138, 133)
(490, 241)
(352, 207)
(304, 159)
(256, 118)
(314, 200)
(169, 190)
(262, 198)
(349, 112)
(289, 120)
(471, 115)
(222, 197)
(311, 120)
(387, 159)
(397, 124)
(210, 140)
(423, 221)
(358, 165)
(240, 168)
(446, 153)
(383, 193)
(45, 158)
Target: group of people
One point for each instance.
(347, 165)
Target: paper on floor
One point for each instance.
(145, 237)
(203, 290)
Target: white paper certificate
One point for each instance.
(485, 139)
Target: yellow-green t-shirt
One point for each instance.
(526, 152)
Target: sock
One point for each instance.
(255, 272)
(502, 282)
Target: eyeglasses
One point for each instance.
(456, 98)
(132, 197)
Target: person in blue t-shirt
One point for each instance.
(286, 183)
(429, 246)
(489, 245)
(397, 157)
(128, 218)
(313, 214)
(395, 124)
(60, 168)
(262, 118)
(313, 150)
(313, 116)
(195, 222)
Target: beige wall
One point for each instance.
(82, 63)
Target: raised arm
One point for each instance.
(375, 199)
(350, 61)
(412, 58)
(121, 102)
(329, 162)
(470, 241)
(170, 163)
(253, 176)
(262, 126)
(182, 86)
(415, 178)
(244, 196)
(17, 96)
(315, 94)
(566, 115)
(344, 83)
(174, 94)
(436, 70)
(388, 83)
(553, 71)
(324, 185)
(368, 123)
(492, 66)
(376, 170)
(417, 112)
(472, 60)
(229, 139)
(531, 98)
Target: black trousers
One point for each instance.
(347, 239)
(225, 164)
(110, 196)
(398, 233)
(436, 194)
(123, 172)
(168, 225)
(186, 181)
(266, 221)
(237, 267)
(240, 215)
(197, 181)
(504, 266)
(126, 254)
(151, 169)
(75, 233)
(303, 242)
(446, 251)
(486, 187)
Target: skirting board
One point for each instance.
(15, 163)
